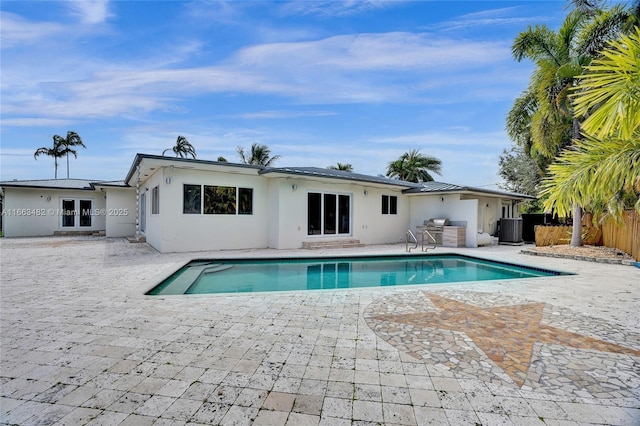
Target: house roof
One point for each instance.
(75, 184)
(441, 187)
(336, 174)
(150, 162)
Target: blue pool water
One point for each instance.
(248, 276)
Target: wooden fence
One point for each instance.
(623, 235)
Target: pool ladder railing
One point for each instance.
(411, 238)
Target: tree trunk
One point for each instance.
(576, 230)
(55, 162)
(67, 165)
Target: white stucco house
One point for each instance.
(181, 205)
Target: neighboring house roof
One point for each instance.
(441, 187)
(336, 174)
(75, 184)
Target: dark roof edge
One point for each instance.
(472, 189)
(328, 174)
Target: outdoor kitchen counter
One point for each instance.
(454, 236)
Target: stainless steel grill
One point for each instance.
(435, 226)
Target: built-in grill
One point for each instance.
(435, 226)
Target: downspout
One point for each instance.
(138, 202)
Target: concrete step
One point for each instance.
(328, 244)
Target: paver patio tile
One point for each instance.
(138, 420)
(398, 414)
(431, 416)
(240, 416)
(108, 418)
(182, 409)
(299, 419)
(271, 418)
(308, 404)
(78, 416)
(211, 413)
(278, 401)
(155, 406)
(111, 347)
(367, 410)
(337, 407)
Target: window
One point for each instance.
(155, 200)
(217, 200)
(389, 204)
(245, 197)
(328, 214)
(68, 213)
(76, 213)
(143, 212)
(85, 213)
(192, 199)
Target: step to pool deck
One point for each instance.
(328, 244)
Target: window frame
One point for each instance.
(214, 192)
(389, 204)
(318, 215)
(80, 217)
(155, 200)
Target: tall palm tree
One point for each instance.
(604, 168)
(543, 116)
(346, 167)
(414, 167)
(72, 140)
(260, 155)
(56, 151)
(182, 149)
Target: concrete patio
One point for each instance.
(82, 344)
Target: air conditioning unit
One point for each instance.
(510, 230)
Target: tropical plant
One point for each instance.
(72, 140)
(542, 119)
(603, 170)
(260, 155)
(61, 147)
(56, 151)
(520, 174)
(414, 167)
(182, 148)
(346, 167)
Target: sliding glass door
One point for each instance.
(328, 214)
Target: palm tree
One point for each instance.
(56, 151)
(346, 167)
(72, 140)
(182, 149)
(260, 155)
(542, 118)
(603, 169)
(414, 167)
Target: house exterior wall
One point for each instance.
(290, 208)
(425, 207)
(120, 212)
(174, 231)
(32, 212)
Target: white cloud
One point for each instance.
(90, 11)
(19, 31)
(332, 8)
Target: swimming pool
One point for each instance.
(259, 275)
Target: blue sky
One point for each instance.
(355, 82)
